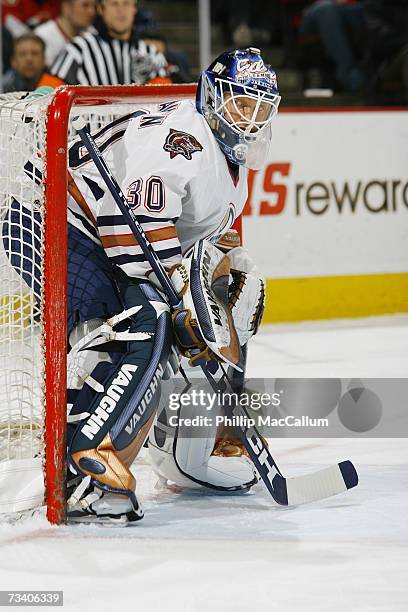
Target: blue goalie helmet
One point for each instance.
(238, 97)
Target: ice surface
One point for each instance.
(196, 552)
(363, 348)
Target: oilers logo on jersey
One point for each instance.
(181, 143)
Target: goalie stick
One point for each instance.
(285, 491)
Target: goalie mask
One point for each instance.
(238, 97)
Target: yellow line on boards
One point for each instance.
(328, 297)
(291, 299)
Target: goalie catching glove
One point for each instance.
(222, 304)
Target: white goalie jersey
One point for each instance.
(172, 174)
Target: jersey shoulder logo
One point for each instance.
(181, 143)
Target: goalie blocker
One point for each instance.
(223, 298)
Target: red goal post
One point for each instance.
(51, 148)
(58, 115)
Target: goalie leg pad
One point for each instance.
(113, 405)
(196, 462)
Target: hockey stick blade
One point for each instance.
(298, 489)
(316, 486)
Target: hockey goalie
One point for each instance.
(183, 171)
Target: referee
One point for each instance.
(110, 53)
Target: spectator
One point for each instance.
(387, 46)
(178, 65)
(247, 22)
(19, 15)
(337, 22)
(144, 21)
(27, 64)
(75, 17)
(112, 54)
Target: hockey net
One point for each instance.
(34, 136)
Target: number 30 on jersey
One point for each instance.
(149, 193)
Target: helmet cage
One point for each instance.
(228, 103)
(244, 140)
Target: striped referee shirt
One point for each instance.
(94, 58)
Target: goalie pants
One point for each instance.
(92, 288)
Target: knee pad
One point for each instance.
(115, 371)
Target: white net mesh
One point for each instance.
(22, 129)
(23, 170)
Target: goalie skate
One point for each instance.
(87, 504)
